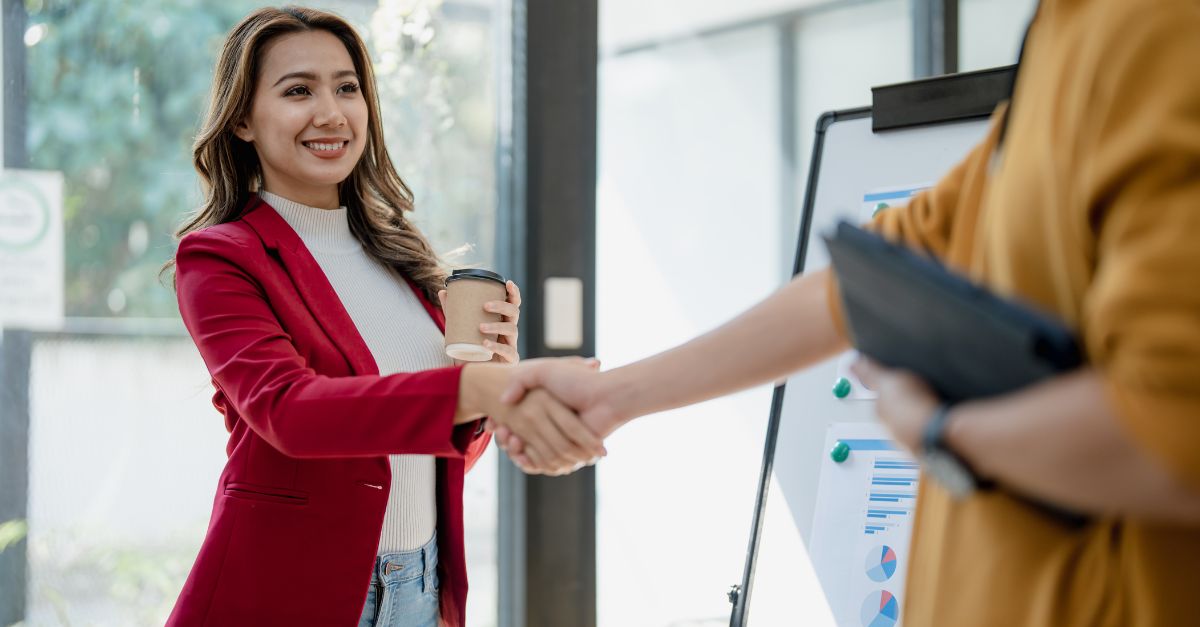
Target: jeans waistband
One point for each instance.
(407, 565)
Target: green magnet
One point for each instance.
(840, 452)
(880, 207)
(841, 389)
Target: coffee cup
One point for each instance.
(466, 292)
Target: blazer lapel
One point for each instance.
(312, 284)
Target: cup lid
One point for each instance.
(475, 273)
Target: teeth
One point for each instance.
(316, 146)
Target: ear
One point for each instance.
(243, 132)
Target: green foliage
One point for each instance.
(12, 532)
(115, 95)
(116, 90)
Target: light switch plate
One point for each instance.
(564, 313)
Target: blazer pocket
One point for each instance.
(252, 492)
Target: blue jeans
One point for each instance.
(404, 589)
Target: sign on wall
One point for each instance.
(31, 249)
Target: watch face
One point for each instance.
(949, 472)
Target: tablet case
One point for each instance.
(907, 311)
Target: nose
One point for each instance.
(329, 113)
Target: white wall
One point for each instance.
(625, 23)
(688, 227)
(990, 31)
(688, 211)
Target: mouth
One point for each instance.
(327, 149)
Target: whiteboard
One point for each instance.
(853, 170)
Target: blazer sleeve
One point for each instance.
(302, 413)
(473, 440)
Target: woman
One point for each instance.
(1086, 203)
(311, 299)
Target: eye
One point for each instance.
(298, 90)
(348, 88)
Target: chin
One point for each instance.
(327, 177)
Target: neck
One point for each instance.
(325, 197)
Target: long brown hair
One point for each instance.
(375, 196)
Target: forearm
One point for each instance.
(791, 329)
(479, 389)
(1063, 443)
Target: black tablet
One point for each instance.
(907, 311)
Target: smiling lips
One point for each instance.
(327, 148)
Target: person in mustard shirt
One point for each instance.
(1090, 209)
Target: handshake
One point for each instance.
(550, 415)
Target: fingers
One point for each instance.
(516, 446)
(555, 438)
(507, 330)
(514, 293)
(532, 454)
(523, 378)
(525, 465)
(505, 352)
(555, 448)
(867, 371)
(508, 311)
(586, 445)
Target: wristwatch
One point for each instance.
(944, 464)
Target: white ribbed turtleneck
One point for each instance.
(402, 338)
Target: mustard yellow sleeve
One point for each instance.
(933, 219)
(1141, 318)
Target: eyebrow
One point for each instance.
(312, 77)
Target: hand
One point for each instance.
(905, 404)
(505, 346)
(557, 440)
(578, 387)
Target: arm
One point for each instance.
(797, 326)
(790, 330)
(1064, 443)
(800, 324)
(302, 413)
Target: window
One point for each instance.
(695, 224)
(990, 31)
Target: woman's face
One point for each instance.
(308, 118)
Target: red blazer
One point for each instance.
(299, 508)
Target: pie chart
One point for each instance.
(881, 563)
(880, 610)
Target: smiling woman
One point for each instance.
(313, 302)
